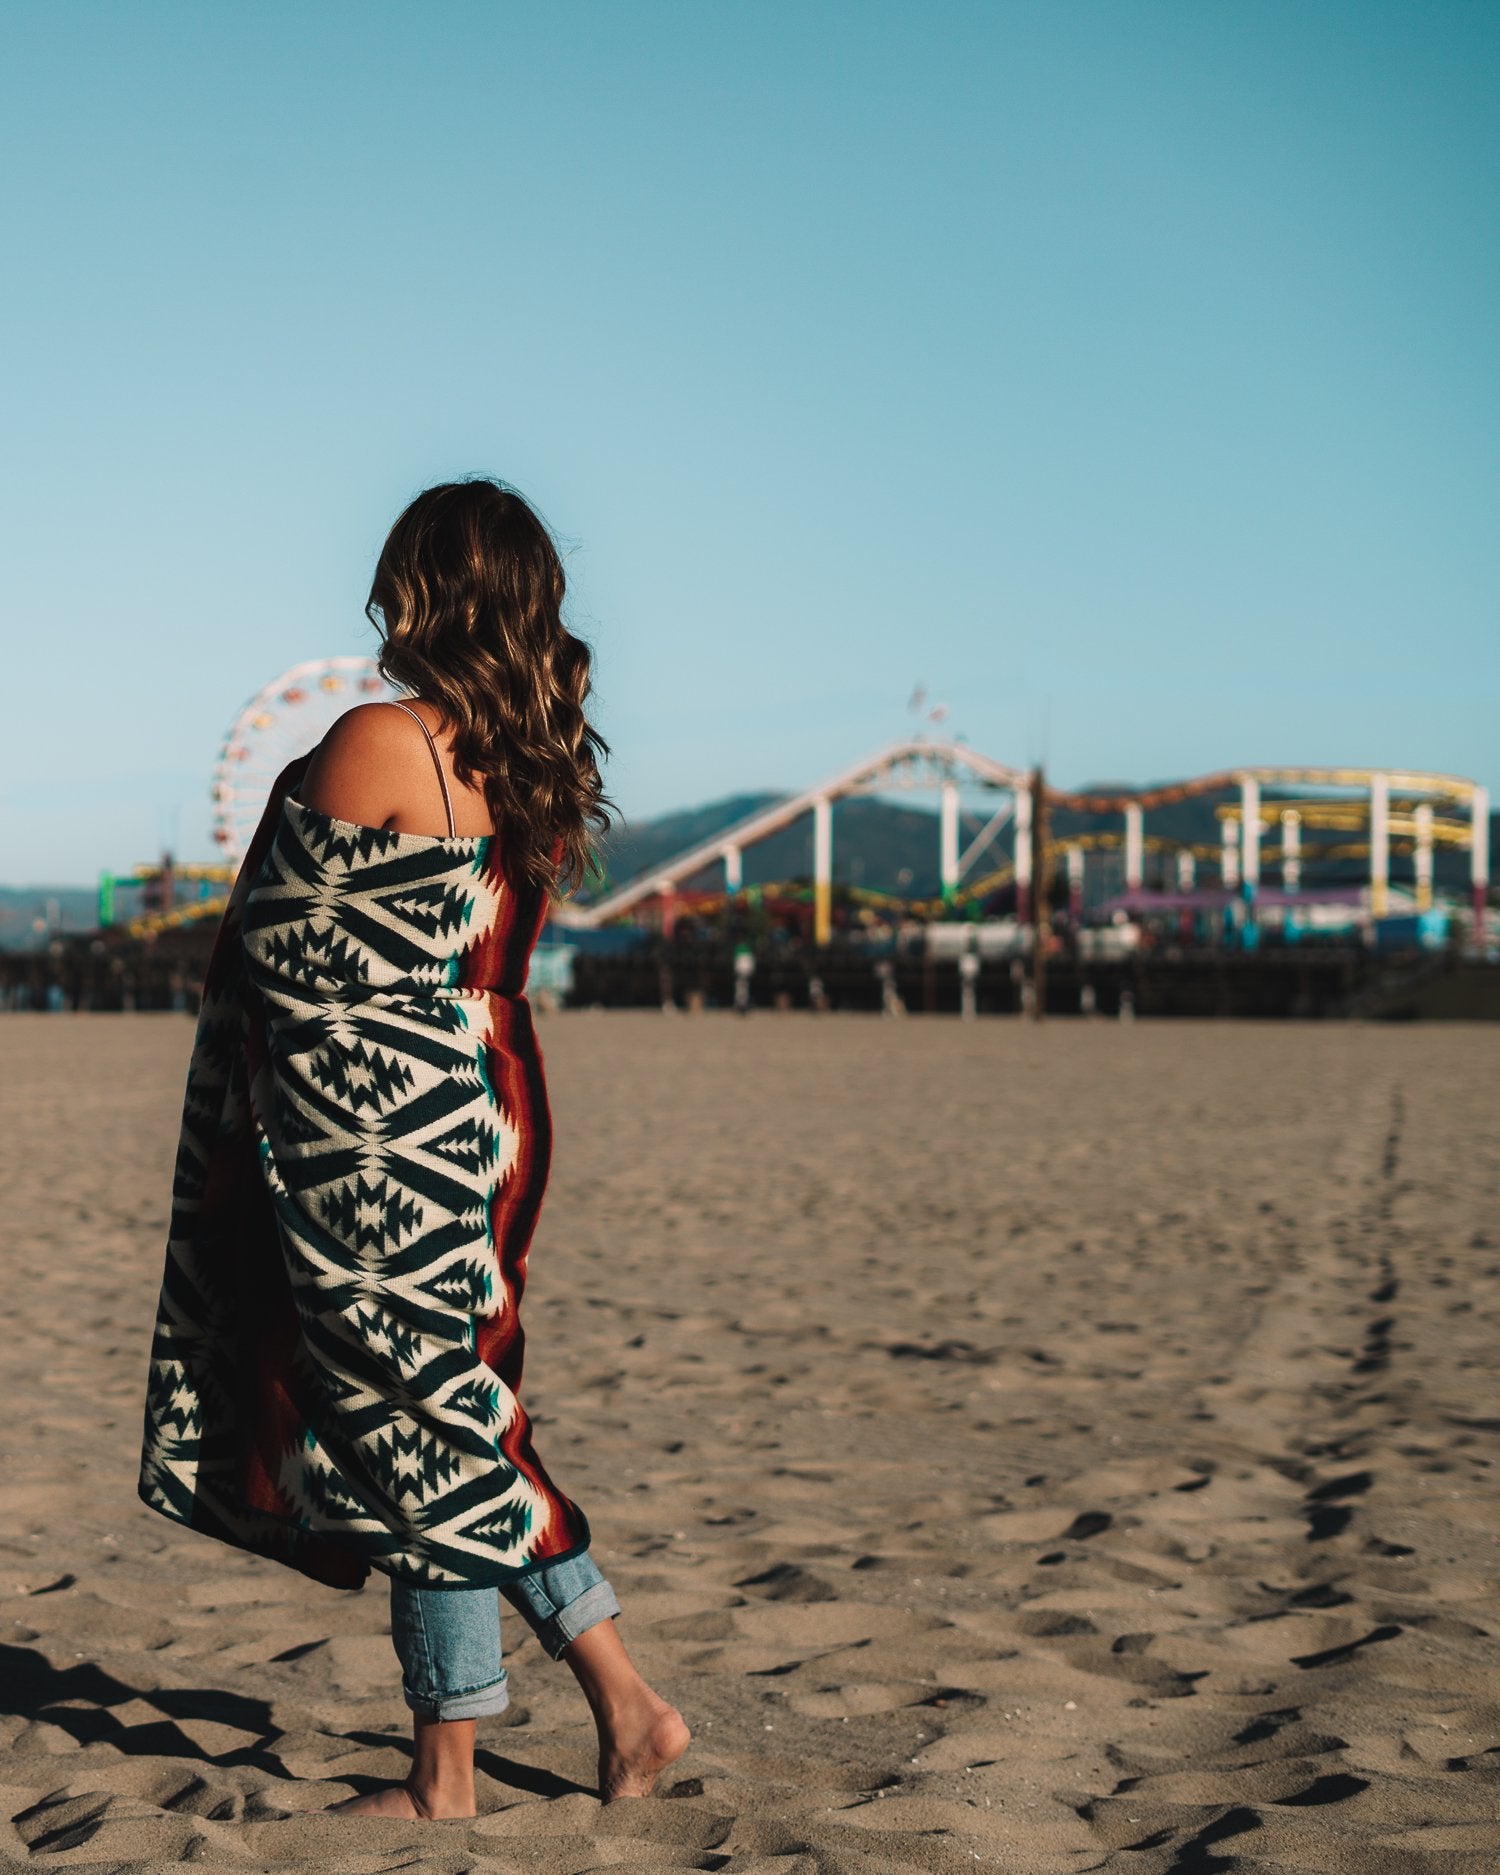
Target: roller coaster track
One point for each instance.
(919, 763)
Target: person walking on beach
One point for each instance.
(336, 1364)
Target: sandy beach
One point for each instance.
(1039, 1450)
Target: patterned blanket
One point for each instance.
(364, 1146)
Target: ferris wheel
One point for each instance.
(285, 719)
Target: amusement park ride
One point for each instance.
(1371, 815)
(1385, 811)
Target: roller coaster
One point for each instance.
(1388, 812)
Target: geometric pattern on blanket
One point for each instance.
(365, 1143)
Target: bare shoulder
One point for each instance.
(366, 765)
(367, 726)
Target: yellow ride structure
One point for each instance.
(163, 908)
(1396, 810)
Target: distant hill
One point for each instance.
(633, 847)
(874, 844)
(29, 912)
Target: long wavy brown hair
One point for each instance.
(468, 597)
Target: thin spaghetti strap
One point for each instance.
(437, 764)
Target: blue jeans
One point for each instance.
(448, 1640)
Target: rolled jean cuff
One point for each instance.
(472, 1703)
(558, 1632)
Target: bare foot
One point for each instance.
(400, 1800)
(637, 1744)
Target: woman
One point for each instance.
(365, 1143)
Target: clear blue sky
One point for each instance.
(1125, 373)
